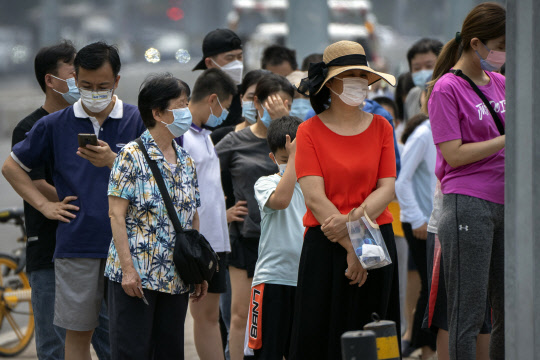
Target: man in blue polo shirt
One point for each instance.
(54, 72)
(80, 176)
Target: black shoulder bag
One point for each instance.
(494, 115)
(193, 256)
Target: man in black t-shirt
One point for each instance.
(55, 74)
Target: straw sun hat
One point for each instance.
(338, 58)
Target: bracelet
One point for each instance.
(349, 215)
(363, 206)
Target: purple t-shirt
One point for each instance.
(457, 112)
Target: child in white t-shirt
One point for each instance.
(282, 207)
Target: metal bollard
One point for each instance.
(359, 345)
(387, 341)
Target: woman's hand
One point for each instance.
(131, 282)
(335, 227)
(421, 232)
(200, 292)
(237, 212)
(276, 107)
(355, 271)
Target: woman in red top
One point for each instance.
(345, 163)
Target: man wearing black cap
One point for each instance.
(222, 49)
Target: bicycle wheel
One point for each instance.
(16, 315)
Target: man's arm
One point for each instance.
(23, 185)
(46, 189)
(37, 174)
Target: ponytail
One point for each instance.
(448, 57)
(485, 22)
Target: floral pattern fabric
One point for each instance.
(150, 232)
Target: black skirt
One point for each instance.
(327, 306)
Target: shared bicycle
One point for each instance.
(16, 315)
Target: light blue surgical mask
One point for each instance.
(213, 120)
(249, 112)
(299, 108)
(73, 94)
(265, 118)
(421, 78)
(182, 122)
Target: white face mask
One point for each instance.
(96, 101)
(354, 90)
(281, 167)
(234, 69)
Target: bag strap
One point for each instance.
(162, 188)
(494, 115)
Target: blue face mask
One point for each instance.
(300, 108)
(213, 120)
(265, 118)
(421, 78)
(73, 94)
(249, 112)
(182, 122)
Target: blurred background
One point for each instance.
(173, 31)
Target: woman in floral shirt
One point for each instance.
(147, 298)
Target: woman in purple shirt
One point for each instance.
(470, 166)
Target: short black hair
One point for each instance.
(424, 46)
(279, 128)
(93, 56)
(48, 58)
(277, 54)
(251, 78)
(384, 100)
(404, 85)
(312, 58)
(213, 81)
(271, 84)
(156, 92)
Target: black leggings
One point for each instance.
(327, 306)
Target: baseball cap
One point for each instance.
(216, 42)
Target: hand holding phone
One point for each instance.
(87, 139)
(96, 151)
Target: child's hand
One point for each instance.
(355, 271)
(276, 107)
(335, 227)
(290, 146)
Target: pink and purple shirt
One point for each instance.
(457, 112)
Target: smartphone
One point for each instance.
(85, 139)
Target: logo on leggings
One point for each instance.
(254, 314)
(466, 227)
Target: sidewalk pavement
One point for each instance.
(189, 347)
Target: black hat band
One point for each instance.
(318, 71)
